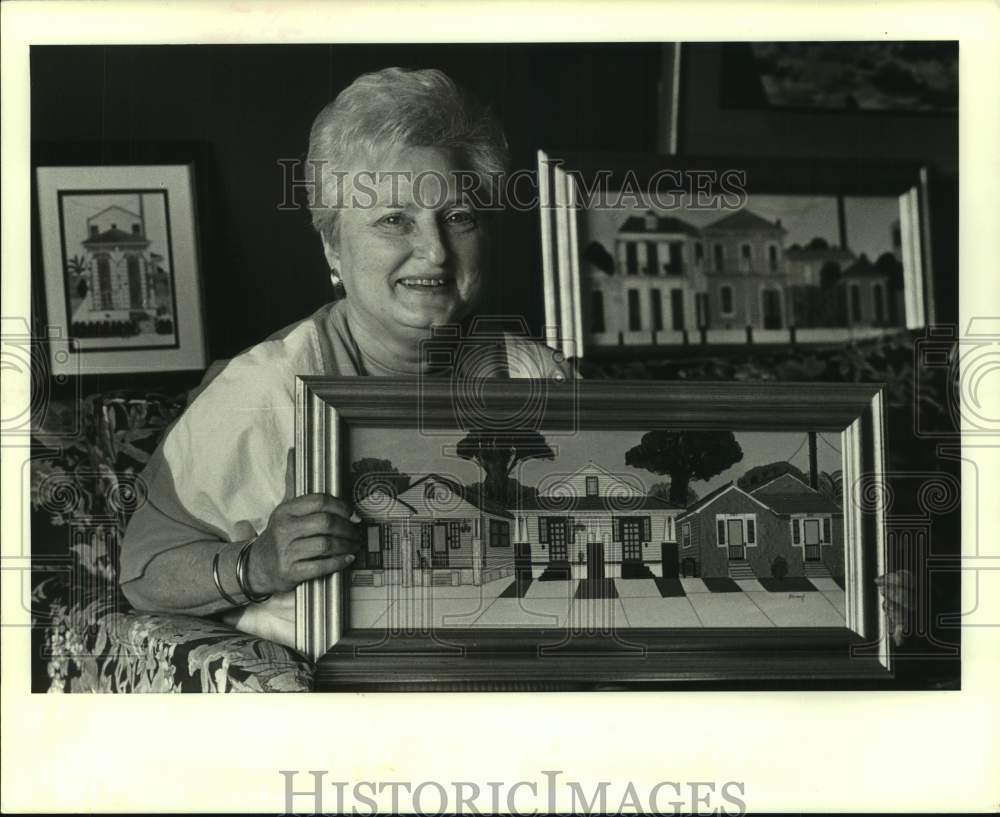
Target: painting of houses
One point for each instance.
(780, 269)
(581, 528)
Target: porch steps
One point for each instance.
(636, 570)
(817, 570)
(741, 570)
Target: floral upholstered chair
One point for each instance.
(87, 461)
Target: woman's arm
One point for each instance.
(305, 537)
(180, 580)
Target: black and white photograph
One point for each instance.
(616, 379)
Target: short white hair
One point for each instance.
(396, 108)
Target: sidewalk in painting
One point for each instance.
(614, 603)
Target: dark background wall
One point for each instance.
(236, 110)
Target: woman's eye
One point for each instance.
(461, 220)
(394, 220)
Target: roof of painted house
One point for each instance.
(862, 268)
(472, 497)
(797, 484)
(391, 497)
(745, 220)
(664, 224)
(600, 503)
(116, 236)
(786, 504)
(797, 253)
(708, 499)
(109, 209)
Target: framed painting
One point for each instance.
(597, 535)
(895, 76)
(666, 255)
(121, 264)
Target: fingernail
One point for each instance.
(355, 518)
(349, 558)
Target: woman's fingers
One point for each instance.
(314, 568)
(897, 580)
(323, 524)
(317, 503)
(321, 547)
(896, 589)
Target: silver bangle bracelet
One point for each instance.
(218, 581)
(241, 574)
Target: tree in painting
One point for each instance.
(762, 474)
(662, 490)
(370, 473)
(498, 453)
(685, 456)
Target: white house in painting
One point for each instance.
(435, 532)
(121, 266)
(594, 524)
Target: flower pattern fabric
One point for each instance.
(86, 479)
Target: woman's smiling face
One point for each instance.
(410, 253)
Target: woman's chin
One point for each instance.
(425, 316)
(422, 310)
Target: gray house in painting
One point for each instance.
(733, 533)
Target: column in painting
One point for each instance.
(477, 552)
(406, 555)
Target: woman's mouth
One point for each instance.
(423, 284)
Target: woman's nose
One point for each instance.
(430, 244)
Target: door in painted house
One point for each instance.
(373, 551)
(522, 561)
(771, 307)
(439, 546)
(107, 298)
(595, 560)
(631, 540)
(811, 538)
(734, 535)
(557, 541)
(135, 292)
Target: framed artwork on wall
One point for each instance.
(886, 100)
(121, 264)
(664, 254)
(617, 535)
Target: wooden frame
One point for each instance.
(121, 260)
(567, 179)
(354, 658)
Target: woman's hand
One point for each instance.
(896, 589)
(306, 537)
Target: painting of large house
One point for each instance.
(731, 281)
(783, 528)
(118, 268)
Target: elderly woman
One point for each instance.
(221, 531)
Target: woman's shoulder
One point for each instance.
(274, 361)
